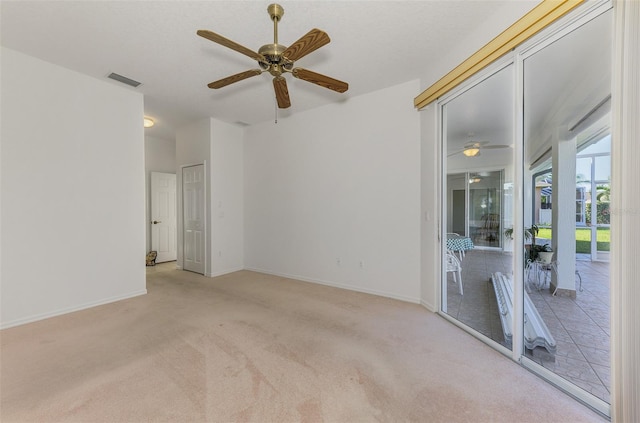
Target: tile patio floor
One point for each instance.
(580, 326)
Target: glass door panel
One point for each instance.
(566, 114)
(478, 128)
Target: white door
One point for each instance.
(163, 216)
(193, 218)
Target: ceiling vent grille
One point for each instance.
(123, 79)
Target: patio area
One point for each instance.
(580, 326)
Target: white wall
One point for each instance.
(159, 156)
(72, 191)
(219, 146)
(338, 183)
(227, 198)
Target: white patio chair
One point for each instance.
(454, 266)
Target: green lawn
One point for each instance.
(583, 239)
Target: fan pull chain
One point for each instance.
(276, 112)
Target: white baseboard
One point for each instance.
(338, 285)
(224, 272)
(35, 318)
(429, 306)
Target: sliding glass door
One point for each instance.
(525, 196)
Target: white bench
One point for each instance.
(536, 332)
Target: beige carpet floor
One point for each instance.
(254, 347)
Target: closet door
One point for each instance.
(193, 201)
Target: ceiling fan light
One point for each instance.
(148, 122)
(471, 152)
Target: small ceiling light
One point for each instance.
(148, 122)
(471, 152)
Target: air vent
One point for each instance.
(123, 79)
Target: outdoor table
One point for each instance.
(459, 244)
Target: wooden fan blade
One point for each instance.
(319, 79)
(489, 147)
(474, 144)
(216, 38)
(234, 78)
(309, 42)
(282, 93)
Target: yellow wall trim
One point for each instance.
(530, 24)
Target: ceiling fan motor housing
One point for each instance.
(275, 62)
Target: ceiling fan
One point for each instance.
(472, 149)
(475, 178)
(278, 59)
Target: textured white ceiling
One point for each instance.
(375, 44)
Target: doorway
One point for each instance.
(163, 216)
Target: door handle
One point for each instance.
(155, 222)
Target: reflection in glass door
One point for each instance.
(566, 123)
(478, 138)
(507, 193)
(482, 220)
(593, 176)
(485, 214)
